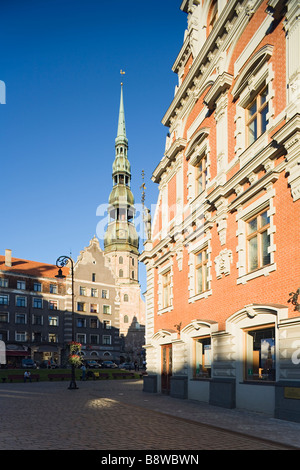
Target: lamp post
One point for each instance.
(60, 263)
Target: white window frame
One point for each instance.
(161, 273)
(37, 287)
(21, 297)
(109, 340)
(21, 336)
(3, 282)
(261, 76)
(97, 308)
(243, 215)
(51, 318)
(96, 336)
(39, 299)
(81, 338)
(53, 302)
(54, 336)
(21, 285)
(94, 292)
(108, 323)
(53, 289)
(105, 296)
(204, 243)
(109, 309)
(23, 315)
(198, 153)
(4, 296)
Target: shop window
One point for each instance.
(258, 241)
(202, 363)
(260, 354)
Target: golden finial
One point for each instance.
(122, 73)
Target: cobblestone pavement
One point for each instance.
(118, 415)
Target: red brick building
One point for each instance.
(223, 256)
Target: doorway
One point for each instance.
(166, 370)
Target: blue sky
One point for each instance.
(61, 61)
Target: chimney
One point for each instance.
(8, 258)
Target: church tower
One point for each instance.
(121, 241)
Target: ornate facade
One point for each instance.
(223, 258)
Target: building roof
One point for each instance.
(31, 268)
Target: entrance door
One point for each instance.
(166, 370)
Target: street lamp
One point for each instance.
(60, 263)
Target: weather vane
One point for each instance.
(143, 187)
(122, 73)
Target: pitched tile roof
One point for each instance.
(31, 268)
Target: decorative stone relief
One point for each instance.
(222, 263)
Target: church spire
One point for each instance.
(121, 233)
(121, 135)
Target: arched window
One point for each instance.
(126, 298)
(121, 273)
(126, 319)
(121, 260)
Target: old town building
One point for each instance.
(37, 319)
(223, 321)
